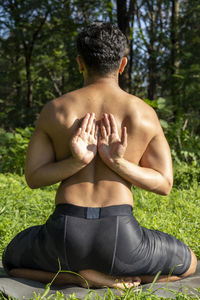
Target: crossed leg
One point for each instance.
(97, 279)
(87, 278)
(90, 275)
(164, 278)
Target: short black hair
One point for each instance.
(102, 46)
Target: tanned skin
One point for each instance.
(98, 141)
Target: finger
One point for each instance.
(103, 130)
(92, 132)
(136, 281)
(79, 131)
(124, 137)
(85, 122)
(113, 124)
(90, 123)
(96, 132)
(107, 124)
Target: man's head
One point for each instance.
(101, 46)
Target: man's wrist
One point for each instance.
(78, 162)
(116, 163)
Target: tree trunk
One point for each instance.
(151, 90)
(125, 14)
(18, 80)
(29, 98)
(174, 37)
(174, 47)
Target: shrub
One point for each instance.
(186, 176)
(13, 146)
(181, 130)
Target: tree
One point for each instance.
(125, 19)
(174, 36)
(38, 46)
(25, 22)
(152, 21)
(189, 66)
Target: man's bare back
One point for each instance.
(97, 184)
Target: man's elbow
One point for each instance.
(165, 192)
(32, 185)
(167, 187)
(31, 182)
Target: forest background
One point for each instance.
(38, 63)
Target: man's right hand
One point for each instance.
(111, 147)
(84, 142)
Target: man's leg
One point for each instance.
(97, 279)
(92, 277)
(164, 278)
(45, 277)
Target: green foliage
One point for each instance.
(38, 53)
(184, 141)
(181, 131)
(127, 294)
(13, 146)
(189, 69)
(186, 176)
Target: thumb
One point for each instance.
(124, 137)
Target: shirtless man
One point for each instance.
(98, 141)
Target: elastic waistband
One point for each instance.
(93, 212)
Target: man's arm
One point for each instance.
(41, 167)
(155, 170)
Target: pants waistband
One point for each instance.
(93, 212)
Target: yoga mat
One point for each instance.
(24, 289)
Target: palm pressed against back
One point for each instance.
(110, 146)
(84, 142)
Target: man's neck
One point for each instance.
(111, 79)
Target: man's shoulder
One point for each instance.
(62, 100)
(140, 108)
(55, 111)
(143, 117)
(53, 107)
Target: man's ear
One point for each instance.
(123, 64)
(80, 63)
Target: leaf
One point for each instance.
(152, 103)
(161, 102)
(47, 289)
(164, 124)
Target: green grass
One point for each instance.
(128, 294)
(177, 214)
